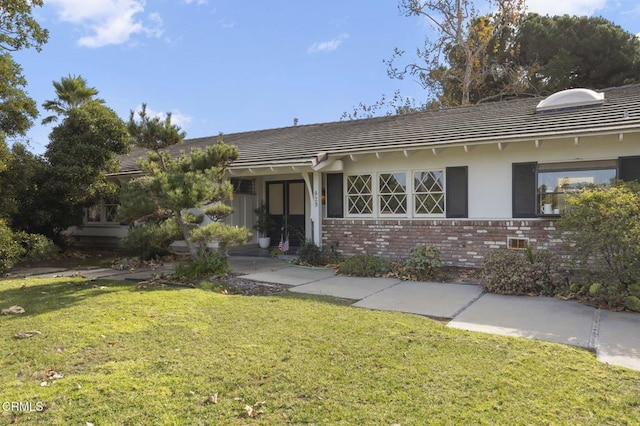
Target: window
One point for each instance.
(517, 243)
(243, 186)
(101, 214)
(392, 194)
(556, 180)
(428, 192)
(360, 194)
(94, 213)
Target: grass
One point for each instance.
(147, 356)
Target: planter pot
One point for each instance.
(264, 242)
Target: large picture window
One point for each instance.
(360, 195)
(428, 192)
(557, 180)
(392, 194)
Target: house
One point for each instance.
(467, 179)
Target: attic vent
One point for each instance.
(569, 99)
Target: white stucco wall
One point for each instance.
(490, 170)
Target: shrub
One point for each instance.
(603, 229)
(36, 247)
(507, 272)
(10, 249)
(365, 266)
(152, 239)
(424, 262)
(515, 272)
(211, 264)
(310, 254)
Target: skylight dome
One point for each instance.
(570, 98)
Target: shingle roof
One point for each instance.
(490, 122)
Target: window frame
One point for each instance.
(371, 194)
(379, 195)
(557, 197)
(414, 194)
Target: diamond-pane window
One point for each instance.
(111, 211)
(392, 193)
(428, 192)
(359, 194)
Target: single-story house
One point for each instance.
(467, 179)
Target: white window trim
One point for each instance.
(374, 203)
(407, 193)
(444, 192)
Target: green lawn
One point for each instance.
(150, 356)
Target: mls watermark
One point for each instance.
(22, 406)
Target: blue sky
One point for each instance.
(229, 66)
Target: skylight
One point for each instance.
(570, 98)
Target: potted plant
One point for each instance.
(264, 224)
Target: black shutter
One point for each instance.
(457, 192)
(524, 190)
(335, 195)
(630, 168)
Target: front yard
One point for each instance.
(120, 353)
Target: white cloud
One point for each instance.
(178, 118)
(198, 2)
(108, 21)
(327, 46)
(573, 7)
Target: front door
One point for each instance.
(285, 202)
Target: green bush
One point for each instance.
(10, 249)
(211, 264)
(152, 239)
(36, 247)
(312, 255)
(602, 228)
(519, 273)
(424, 262)
(365, 266)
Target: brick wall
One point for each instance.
(463, 242)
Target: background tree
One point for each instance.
(172, 187)
(18, 30)
(571, 51)
(463, 37)
(80, 153)
(71, 92)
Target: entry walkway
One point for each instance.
(614, 336)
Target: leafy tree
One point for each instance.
(18, 29)
(570, 51)
(71, 92)
(172, 187)
(80, 153)
(463, 37)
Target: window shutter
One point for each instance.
(457, 192)
(524, 190)
(630, 168)
(335, 195)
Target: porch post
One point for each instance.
(316, 209)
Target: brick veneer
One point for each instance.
(463, 242)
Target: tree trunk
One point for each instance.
(184, 229)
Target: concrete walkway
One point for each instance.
(614, 336)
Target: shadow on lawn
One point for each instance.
(47, 295)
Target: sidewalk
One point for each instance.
(614, 336)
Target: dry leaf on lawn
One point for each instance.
(26, 334)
